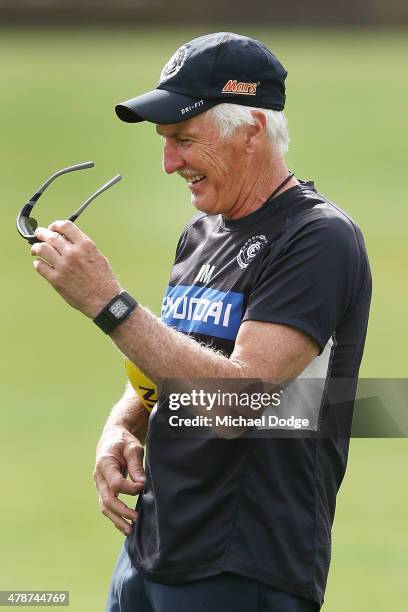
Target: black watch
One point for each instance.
(115, 312)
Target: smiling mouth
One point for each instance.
(193, 180)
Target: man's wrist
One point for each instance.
(115, 312)
(122, 430)
(115, 425)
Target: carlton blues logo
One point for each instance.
(174, 64)
(250, 250)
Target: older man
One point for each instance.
(270, 281)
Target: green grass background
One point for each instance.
(347, 107)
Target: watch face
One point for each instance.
(119, 308)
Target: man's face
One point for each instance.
(213, 167)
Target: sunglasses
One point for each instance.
(26, 225)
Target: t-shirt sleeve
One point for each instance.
(309, 281)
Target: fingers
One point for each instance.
(45, 270)
(110, 482)
(123, 526)
(69, 230)
(133, 454)
(55, 239)
(46, 252)
(114, 509)
(118, 453)
(58, 231)
(50, 250)
(107, 467)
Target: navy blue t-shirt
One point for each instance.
(261, 507)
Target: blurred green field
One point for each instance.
(346, 108)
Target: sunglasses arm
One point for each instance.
(91, 198)
(52, 178)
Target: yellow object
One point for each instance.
(144, 387)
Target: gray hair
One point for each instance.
(229, 117)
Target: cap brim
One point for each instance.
(161, 106)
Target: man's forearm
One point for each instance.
(164, 353)
(129, 412)
(272, 354)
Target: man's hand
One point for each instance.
(118, 454)
(72, 264)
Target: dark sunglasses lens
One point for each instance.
(28, 225)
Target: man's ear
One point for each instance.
(254, 134)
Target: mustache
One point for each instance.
(187, 173)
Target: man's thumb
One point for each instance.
(134, 457)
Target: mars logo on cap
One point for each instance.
(236, 87)
(174, 64)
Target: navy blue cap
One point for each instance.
(209, 70)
